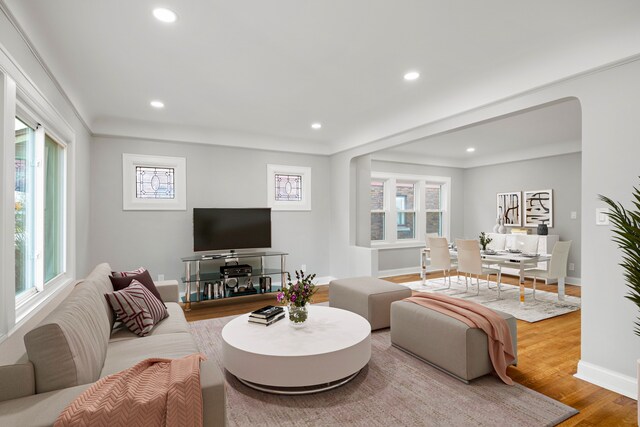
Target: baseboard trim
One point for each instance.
(606, 378)
(399, 272)
(573, 281)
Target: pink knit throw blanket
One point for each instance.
(154, 392)
(476, 316)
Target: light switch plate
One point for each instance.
(574, 214)
(160, 277)
(602, 216)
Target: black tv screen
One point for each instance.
(218, 228)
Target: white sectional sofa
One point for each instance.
(77, 344)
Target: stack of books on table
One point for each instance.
(267, 315)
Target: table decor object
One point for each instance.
(484, 240)
(266, 315)
(296, 296)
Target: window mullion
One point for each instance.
(420, 211)
(391, 218)
(39, 203)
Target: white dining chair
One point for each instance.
(470, 263)
(557, 265)
(440, 257)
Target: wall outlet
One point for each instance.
(572, 266)
(574, 214)
(303, 267)
(160, 277)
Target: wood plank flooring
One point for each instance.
(548, 354)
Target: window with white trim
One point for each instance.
(39, 199)
(405, 209)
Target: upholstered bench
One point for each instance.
(444, 342)
(369, 297)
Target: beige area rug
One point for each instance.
(544, 307)
(394, 389)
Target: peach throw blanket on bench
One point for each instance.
(154, 392)
(476, 316)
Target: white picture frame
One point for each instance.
(538, 208)
(131, 199)
(299, 196)
(508, 208)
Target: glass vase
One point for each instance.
(298, 316)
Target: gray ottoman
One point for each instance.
(369, 297)
(444, 342)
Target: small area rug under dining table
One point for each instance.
(394, 389)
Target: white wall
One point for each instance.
(25, 67)
(216, 177)
(562, 174)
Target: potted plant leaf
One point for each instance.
(626, 234)
(484, 240)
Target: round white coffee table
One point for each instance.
(328, 352)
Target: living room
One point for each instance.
(67, 66)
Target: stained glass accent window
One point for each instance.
(288, 188)
(155, 183)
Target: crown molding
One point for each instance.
(12, 19)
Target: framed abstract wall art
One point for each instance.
(538, 208)
(508, 208)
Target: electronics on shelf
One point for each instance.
(238, 270)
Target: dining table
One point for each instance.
(505, 258)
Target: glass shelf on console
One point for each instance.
(197, 277)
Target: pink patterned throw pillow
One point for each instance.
(137, 308)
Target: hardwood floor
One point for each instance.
(548, 354)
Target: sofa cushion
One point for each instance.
(126, 353)
(69, 346)
(174, 323)
(99, 278)
(144, 278)
(39, 410)
(137, 308)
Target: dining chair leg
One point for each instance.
(499, 282)
(478, 283)
(534, 287)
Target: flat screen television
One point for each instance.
(229, 228)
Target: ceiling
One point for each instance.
(548, 130)
(258, 73)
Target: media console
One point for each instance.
(231, 274)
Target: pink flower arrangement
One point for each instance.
(299, 293)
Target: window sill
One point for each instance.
(33, 304)
(398, 245)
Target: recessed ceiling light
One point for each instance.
(157, 104)
(165, 15)
(470, 150)
(411, 75)
(316, 126)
